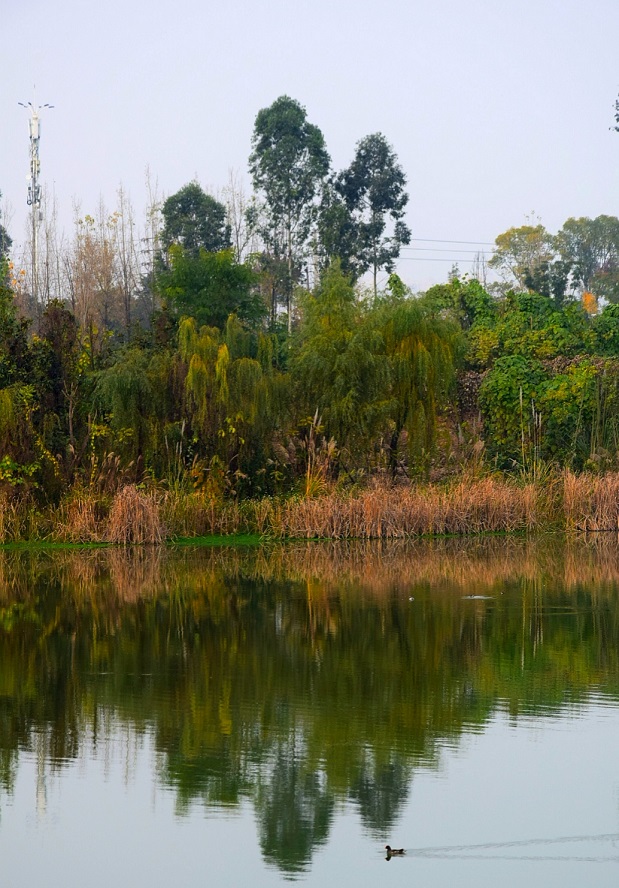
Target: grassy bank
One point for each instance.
(490, 504)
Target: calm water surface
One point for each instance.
(258, 716)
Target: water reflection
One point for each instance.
(298, 677)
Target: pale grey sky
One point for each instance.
(496, 108)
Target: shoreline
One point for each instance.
(462, 507)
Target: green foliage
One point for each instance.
(464, 300)
(373, 191)
(340, 366)
(507, 399)
(210, 287)
(288, 163)
(126, 393)
(530, 325)
(606, 327)
(569, 417)
(521, 251)
(566, 405)
(422, 351)
(591, 248)
(373, 372)
(549, 279)
(235, 400)
(14, 357)
(337, 232)
(195, 221)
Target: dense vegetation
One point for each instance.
(245, 358)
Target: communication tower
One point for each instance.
(34, 188)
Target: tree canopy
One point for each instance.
(195, 221)
(373, 191)
(288, 163)
(210, 287)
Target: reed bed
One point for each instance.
(490, 504)
(591, 502)
(135, 517)
(197, 514)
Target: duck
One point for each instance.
(393, 852)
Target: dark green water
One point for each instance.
(254, 716)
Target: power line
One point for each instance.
(452, 259)
(435, 240)
(442, 250)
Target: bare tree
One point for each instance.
(127, 265)
(244, 238)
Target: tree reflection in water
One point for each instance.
(302, 676)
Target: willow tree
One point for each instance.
(235, 399)
(421, 353)
(340, 367)
(126, 393)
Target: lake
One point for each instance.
(263, 715)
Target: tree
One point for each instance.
(210, 287)
(92, 280)
(195, 221)
(339, 367)
(5, 240)
(421, 351)
(288, 163)
(238, 209)
(338, 233)
(14, 355)
(126, 250)
(373, 191)
(591, 247)
(521, 251)
(462, 299)
(126, 391)
(550, 279)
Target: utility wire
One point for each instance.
(434, 240)
(444, 250)
(452, 259)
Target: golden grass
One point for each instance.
(488, 505)
(472, 505)
(591, 502)
(135, 517)
(76, 520)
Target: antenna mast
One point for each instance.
(34, 188)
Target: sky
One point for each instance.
(498, 110)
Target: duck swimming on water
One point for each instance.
(393, 852)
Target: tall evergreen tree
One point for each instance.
(373, 189)
(288, 163)
(195, 221)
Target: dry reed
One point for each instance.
(77, 520)
(488, 505)
(134, 518)
(474, 505)
(591, 502)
